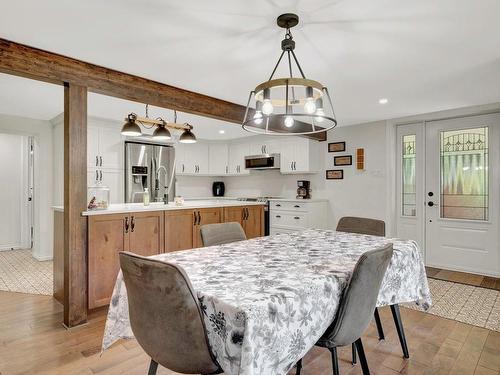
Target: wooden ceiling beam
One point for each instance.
(22, 60)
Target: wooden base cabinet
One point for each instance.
(251, 219)
(141, 233)
(182, 227)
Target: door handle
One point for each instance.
(132, 224)
(96, 175)
(126, 224)
(100, 176)
(100, 161)
(291, 165)
(199, 218)
(294, 165)
(226, 169)
(195, 218)
(183, 168)
(96, 161)
(247, 213)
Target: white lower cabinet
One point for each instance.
(296, 215)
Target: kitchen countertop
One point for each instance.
(120, 208)
(298, 200)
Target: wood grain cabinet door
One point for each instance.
(107, 236)
(233, 214)
(206, 216)
(254, 221)
(146, 233)
(179, 230)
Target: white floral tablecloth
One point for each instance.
(267, 301)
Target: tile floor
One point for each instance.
(20, 272)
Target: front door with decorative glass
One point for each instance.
(449, 194)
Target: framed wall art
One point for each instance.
(342, 160)
(335, 174)
(336, 147)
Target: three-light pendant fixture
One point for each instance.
(131, 128)
(293, 105)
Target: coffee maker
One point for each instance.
(303, 190)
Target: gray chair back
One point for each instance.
(359, 299)
(219, 234)
(165, 316)
(361, 225)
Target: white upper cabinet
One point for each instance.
(299, 155)
(218, 159)
(191, 159)
(265, 147)
(237, 153)
(104, 148)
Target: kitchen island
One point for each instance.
(147, 230)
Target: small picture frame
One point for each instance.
(335, 174)
(342, 160)
(336, 147)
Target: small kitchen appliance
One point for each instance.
(218, 189)
(304, 189)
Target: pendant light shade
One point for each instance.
(161, 133)
(289, 105)
(131, 128)
(187, 137)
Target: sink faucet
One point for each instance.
(157, 185)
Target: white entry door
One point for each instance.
(448, 178)
(462, 194)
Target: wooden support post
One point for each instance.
(75, 198)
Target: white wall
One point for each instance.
(13, 187)
(42, 133)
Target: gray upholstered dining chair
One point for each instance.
(219, 234)
(373, 227)
(356, 306)
(165, 316)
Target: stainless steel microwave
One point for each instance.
(265, 161)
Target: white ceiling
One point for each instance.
(423, 56)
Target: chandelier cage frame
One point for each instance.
(321, 120)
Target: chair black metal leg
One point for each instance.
(298, 367)
(353, 349)
(399, 327)
(362, 358)
(153, 367)
(335, 361)
(380, 329)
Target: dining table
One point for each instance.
(266, 301)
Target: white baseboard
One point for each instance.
(43, 258)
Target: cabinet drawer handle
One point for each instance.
(132, 224)
(296, 206)
(278, 205)
(296, 218)
(278, 216)
(126, 224)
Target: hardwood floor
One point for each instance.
(33, 340)
(464, 278)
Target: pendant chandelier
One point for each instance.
(131, 127)
(293, 105)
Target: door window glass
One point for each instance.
(464, 174)
(408, 176)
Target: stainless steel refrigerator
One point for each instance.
(149, 165)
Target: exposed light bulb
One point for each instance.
(267, 107)
(319, 115)
(289, 121)
(383, 101)
(310, 106)
(257, 117)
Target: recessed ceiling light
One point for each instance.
(383, 101)
(222, 131)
